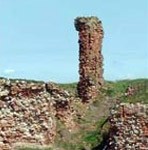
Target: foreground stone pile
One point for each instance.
(129, 127)
(28, 111)
(90, 57)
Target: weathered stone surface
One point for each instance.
(28, 111)
(129, 127)
(91, 59)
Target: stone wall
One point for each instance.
(129, 127)
(90, 57)
(28, 111)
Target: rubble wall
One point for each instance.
(90, 57)
(28, 111)
(129, 127)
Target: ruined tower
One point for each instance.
(90, 57)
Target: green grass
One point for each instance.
(72, 87)
(95, 137)
(117, 90)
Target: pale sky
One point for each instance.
(38, 39)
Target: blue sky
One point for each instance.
(38, 39)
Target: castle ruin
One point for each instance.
(90, 57)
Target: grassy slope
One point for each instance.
(91, 128)
(118, 88)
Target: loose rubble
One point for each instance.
(90, 67)
(129, 127)
(28, 111)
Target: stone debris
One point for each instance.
(28, 111)
(129, 127)
(130, 91)
(91, 60)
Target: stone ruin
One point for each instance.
(90, 57)
(129, 127)
(28, 112)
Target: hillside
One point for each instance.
(73, 125)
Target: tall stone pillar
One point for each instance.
(90, 57)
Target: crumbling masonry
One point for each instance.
(129, 127)
(90, 67)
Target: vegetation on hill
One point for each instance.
(118, 89)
